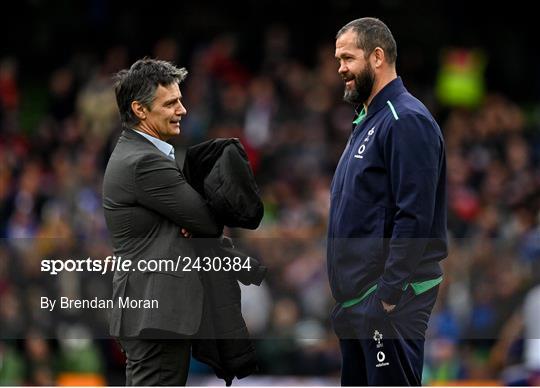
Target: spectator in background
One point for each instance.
(531, 312)
(96, 101)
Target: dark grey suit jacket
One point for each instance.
(146, 201)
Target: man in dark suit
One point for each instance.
(151, 211)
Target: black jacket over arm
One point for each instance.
(219, 170)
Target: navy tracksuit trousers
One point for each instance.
(380, 348)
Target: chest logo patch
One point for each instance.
(362, 147)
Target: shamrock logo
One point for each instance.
(377, 337)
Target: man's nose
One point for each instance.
(182, 111)
(342, 68)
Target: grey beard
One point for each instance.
(352, 97)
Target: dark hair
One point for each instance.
(372, 33)
(140, 82)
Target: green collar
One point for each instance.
(360, 116)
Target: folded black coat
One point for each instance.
(219, 170)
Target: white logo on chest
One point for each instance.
(362, 147)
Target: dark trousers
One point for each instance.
(157, 362)
(383, 349)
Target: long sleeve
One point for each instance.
(160, 186)
(413, 150)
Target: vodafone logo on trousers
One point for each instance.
(377, 337)
(380, 358)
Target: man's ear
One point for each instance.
(139, 110)
(378, 57)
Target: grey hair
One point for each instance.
(372, 33)
(140, 82)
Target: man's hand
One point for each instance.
(185, 233)
(388, 307)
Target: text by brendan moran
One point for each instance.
(65, 303)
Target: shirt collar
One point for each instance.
(359, 116)
(160, 144)
(390, 90)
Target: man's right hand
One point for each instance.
(184, 232)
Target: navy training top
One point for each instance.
(388, 201)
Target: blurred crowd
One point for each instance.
(293, 123)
